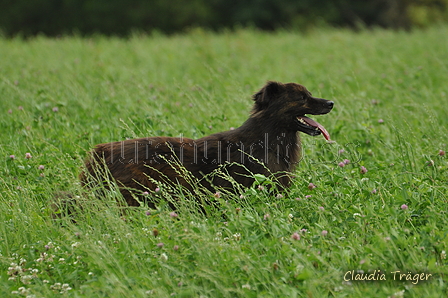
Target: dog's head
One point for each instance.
(285, 106)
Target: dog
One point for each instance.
(267, 143)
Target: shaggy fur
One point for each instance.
(270, 136)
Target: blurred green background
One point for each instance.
(122, 17)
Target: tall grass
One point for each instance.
(59, 97)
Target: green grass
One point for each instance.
(108, 89)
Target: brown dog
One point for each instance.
(267, 143)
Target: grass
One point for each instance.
(59, 97)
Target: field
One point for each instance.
(385, 210)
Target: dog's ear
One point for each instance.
(263, 96)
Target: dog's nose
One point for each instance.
(330, 104)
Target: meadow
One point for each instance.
(383, 209)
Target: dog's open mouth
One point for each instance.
(311, 127)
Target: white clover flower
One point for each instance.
(56, 286)
(15, 270)
(23, 291)
(398, 294)
(25, 279)
(65, 288)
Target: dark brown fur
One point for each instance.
(270, 135)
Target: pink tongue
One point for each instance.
(319, 126)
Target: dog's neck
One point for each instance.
(258, 127)
(284, 143)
